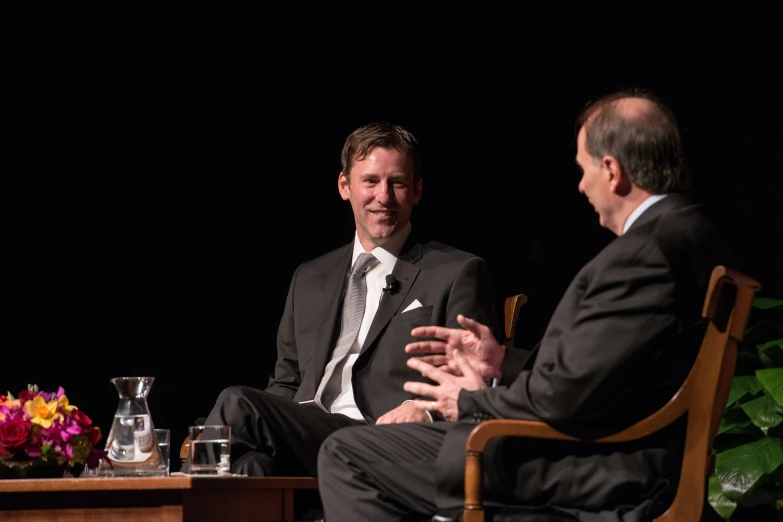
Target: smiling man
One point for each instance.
(348, 316)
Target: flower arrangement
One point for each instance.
(39, 425)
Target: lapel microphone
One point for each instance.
(392, 285)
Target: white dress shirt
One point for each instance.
(376, 280)
(638, 211)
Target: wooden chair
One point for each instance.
(703, 396)
(511, 313)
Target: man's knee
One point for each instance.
(234, 394)
(334, 447)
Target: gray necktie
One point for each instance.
(353, 313)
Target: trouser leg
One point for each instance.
(380, 473)
(273, 436)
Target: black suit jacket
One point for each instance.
(619, 344)
(446, 281)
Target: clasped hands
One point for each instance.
(457, 359)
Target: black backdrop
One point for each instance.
(168, 171)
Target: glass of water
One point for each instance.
(210, 448)
(164, 446)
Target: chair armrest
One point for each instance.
(481, 434)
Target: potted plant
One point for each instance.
(748, 448)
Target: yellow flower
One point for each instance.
(43, 413)
(67, 407)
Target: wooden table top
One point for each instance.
(152, 483)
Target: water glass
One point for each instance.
(163, 437)
(210, 448)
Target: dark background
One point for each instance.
(167, 172)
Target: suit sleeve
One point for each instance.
(287, 378)
(473, 295)
(593, 352)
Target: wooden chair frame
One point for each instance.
(703, 395)
(510, 313)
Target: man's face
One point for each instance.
(382, 194)
(595, 181)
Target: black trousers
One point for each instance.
(388, 472)
(271, 435)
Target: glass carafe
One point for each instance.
(131, 448)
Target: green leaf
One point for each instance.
(11, 396)
(779, 504)
(740, 469)
(734, 421)
(722, 505)
(736, 428)
(772, 381)
(765, 303)
(771, 353)
(741, 386)
(761, 495)
(760, 331)
(764, 412)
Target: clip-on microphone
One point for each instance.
(392, 285)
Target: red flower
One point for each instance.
(35, 445)
(14, 435)
(25, 396)
(81, 418)
(94, 435)
(3, 398)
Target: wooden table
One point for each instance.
(158, 499)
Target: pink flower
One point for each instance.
(51, 396)
(35, 445)
(12, 414)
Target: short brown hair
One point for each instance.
(384, 135)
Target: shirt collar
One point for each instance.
(638, 211)
(388, 253)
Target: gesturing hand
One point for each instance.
(476, 342)
(444, 396)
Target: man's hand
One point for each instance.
(446, 395)
(476, 342)
(405, 412)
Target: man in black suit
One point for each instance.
(619, 344)
(337, 368)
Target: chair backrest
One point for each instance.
(511, 313)
(727, 306)
(705, 391)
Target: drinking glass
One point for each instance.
(210, 448)
(163, 437)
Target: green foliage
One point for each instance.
(749, 444)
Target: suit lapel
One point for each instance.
(405, 272)
(334, 286)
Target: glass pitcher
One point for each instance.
(131, 447)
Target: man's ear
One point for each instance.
(343, 186)
(616, 175)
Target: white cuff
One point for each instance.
(425, 411)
